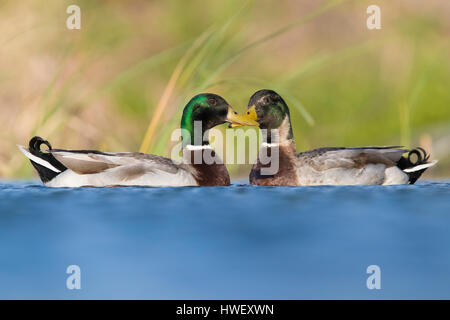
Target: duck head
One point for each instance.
(271, 112)
(208, 110)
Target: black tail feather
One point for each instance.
(407, 162)
(45, 173)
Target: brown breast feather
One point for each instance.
(215, 174)
(287, 172)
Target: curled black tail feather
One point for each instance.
(45, 173)
(35, 145)
(422, 156)
(407, 162)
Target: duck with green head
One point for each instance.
(77, 168)
(323, 166)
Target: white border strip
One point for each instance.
(37, 160)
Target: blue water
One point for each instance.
(238, 242)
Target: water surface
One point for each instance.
(238, 242)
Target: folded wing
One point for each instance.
(89, 162)
(350, 158)
(348, 166)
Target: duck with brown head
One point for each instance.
(323, 166)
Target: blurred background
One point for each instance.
(121, 81)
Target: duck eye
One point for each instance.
(266, 100)
(212, 102)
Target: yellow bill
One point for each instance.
(237, 120)
(250, 116)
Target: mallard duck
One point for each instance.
(324, 166)
(77, 168)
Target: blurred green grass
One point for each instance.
(101, 86)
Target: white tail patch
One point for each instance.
(421, 166)
(38, 160)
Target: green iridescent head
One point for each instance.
(270, 111)
(207, 110)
